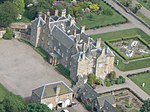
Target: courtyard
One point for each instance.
(23, 69)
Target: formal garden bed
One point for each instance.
(122, 64)
(142, 80)
(130, 48)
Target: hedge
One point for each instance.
(109, 43)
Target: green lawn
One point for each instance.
(101, 20)
(146, 5)
(125, 33)
(3, 92)
(140, 79)
(145, 19)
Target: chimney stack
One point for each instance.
(63, 13)
(72, 21)
(83, 29)
(57, 90)
(75, 33)
(56, 12)
(98, 43)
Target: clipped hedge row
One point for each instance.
(109, 43)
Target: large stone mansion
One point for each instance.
(70, 46)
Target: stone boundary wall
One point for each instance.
(131, 13)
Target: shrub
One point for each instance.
(91, 79)
(94, 7)
(108, 83)
(107, 12)
(118, 81)
(9, 34)
(98, 82)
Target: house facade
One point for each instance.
(70, 46)
(54, 95)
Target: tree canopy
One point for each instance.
(37, 107)
(8, 13)
(146, 106)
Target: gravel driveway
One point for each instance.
(22, 69)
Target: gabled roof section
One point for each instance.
(39, 21)
(62, 37)
(49, 90)
(88, 92)
(108, 107)
(108, 98)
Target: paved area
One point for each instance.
(129, 84)
(78, 107)
(110, 28)
(137, 23)
(22, 69)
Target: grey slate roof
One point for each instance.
(49, 90)
(108, 107)
(108, 98)
(62, 37)
(87, 92)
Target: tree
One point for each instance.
(20, 5)
(94, 7)
(112, 75)
(146, 106)
(13, 103)
(8, 13)
(37, 107)
(91, 79)
(98, 82)
(2, 109)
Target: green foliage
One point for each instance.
(98, 82)
(8, 13)
(43, 53)
(120, 80)
(13, 103)
(107, 82)
(37, 107)
(9, 34)
(94, 7)
(91, 79)
(112, 75)
(20, 4)
(107, 12)
(146, 106)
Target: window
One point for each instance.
(62, 55)
(48, 43)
